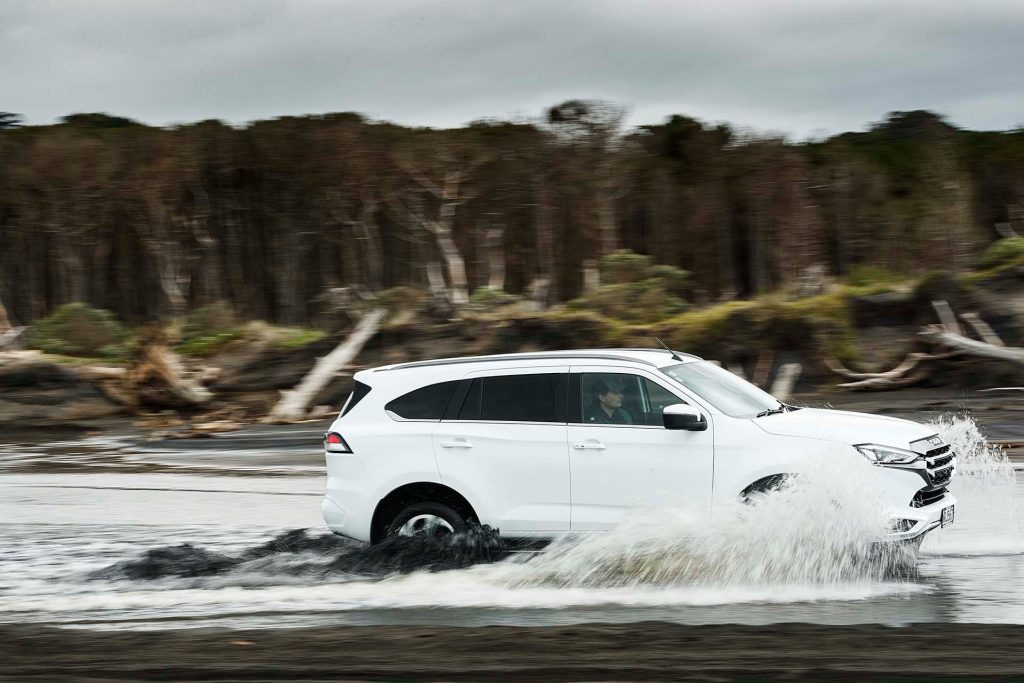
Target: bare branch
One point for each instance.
(987, 334)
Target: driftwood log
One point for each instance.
(294, 403)
(951, 340)
(158, 378)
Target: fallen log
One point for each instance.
(294, 403)
(958, 342)
(984, 330)
(905, 366)
(785, 378)
(156, 378)
(762, 368)
(12, 338)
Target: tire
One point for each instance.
(434, 519)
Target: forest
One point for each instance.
(152, 222)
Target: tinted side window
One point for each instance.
(659, 397)
(615, 398)
(359, 392)
(516, 398)
(427, 403)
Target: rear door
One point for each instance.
(635, 462)
(505, 444)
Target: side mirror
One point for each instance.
(682, 416)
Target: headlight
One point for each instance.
(886, 455)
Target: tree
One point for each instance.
(590, 133)
(9, 120)
(98, 120)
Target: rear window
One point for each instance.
(359, 392)
(516, 398)
(426, 403)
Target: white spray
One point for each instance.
(989, 516)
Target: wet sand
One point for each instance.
(597, 652)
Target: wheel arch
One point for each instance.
(417, 492)
(771, 482)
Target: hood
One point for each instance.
(844, 427)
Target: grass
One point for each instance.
(976, 276)
(295, 337)
(207, 345)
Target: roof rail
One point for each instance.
(525, 357)
(680, 353)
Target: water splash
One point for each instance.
(297, 555)
(989, 515)
(820, 529)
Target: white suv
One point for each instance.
(540, 444)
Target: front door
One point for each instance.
(622, 457)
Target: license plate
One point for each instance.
(947, 515)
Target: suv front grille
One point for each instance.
(940, 465)
(924, 497)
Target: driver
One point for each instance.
(606, 406)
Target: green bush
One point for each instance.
(870, 276)
(624, 266)
(633, 290)
(486, 297)
(78, 330)
(206, 345)
(210, 320)
(1003, 252)
(207, 329)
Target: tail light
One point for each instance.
(333, 443)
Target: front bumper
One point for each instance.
(915, 522)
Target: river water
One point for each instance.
(107, 532)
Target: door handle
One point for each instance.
(457, 443)
(591, 445)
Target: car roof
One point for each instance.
(657, 358)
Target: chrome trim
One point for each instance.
(595, 424)
(928, 443)
(496, 422)
(399, 418)
(941, 456)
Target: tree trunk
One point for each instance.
(544, 277)
(294, 404)
(5, 321)
(608, 239)
(493, 243)
(591, 276)
(373, 249)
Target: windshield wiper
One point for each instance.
(773, 411)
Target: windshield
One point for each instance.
(722, 389)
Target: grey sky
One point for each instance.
(802, 67)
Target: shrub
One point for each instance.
(78, 330)
(210, 320)
(623, 266)
(1003, 252)
(486, 297)
(870, 276)
(634, 290)
(207, 329)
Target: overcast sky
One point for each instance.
(806, 68)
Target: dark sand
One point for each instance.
(646, 651)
